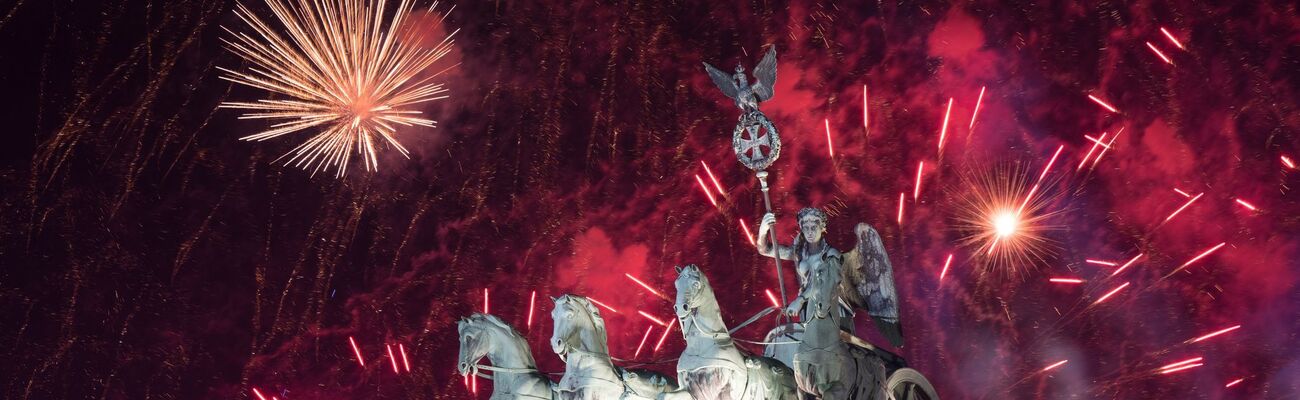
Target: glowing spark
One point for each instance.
(652, 318)
(597, 302)
(1184, 362)
(1050, 162)
(901, 197)
(340, 69)
(361, 360)
(1194, 259)
(1005, 224)
(532, 305)
(866, 119)
(1065, 280)
(1103, 104)
(1247, 205)
(712, 178)
(943, 132)
(1021, 209)
(1058, 363)
(1158, 53)
(405, 363)
(1086, 157)
(1287, 161)
(1004, 219)
(665, 335)
(1098, 141)
(393, 359)
(1130, 262)
(1182, 192)
(259, 394)
(945, 267)
(648, 329)
(1171, 38)
(748, 235)
(976, 113)
(647, 287)
(1234, 383)
(772, 298)
(473, 387)
(706, 190)
(1111, 293)
(1217, 333)
(485, 301)
(1099, 262)
(916, 192)
(1185, 367)
(829, 146)
(1107, 147)
(1180, 209)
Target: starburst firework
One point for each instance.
(1003, 219)
(338, 67)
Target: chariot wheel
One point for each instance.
(908, 384)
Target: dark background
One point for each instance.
(147, 253)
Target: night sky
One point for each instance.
(147, 253)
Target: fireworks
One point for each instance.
(652, 318)
(1288, 162)
(1249, 206)
(1111, 293)
(1185, 205)
(360, 360)
(648, 329)
(976, 113)
(392, 359)
(1194, 259)
(1103, 104)
(866, 118)
(830, 146)
(1234, 383)
(748, 235)
(532, 305)
(1171, 38)
(772, 298)
(665, 335)
(716, 185)
(916, 192)
(1053, 366)
(1004, 221)
(1158, 53)
(603, 305)
(706, 190)
(943, 132)
(647, 287)
(341, 70)
(946, 263)
(1130, 262)
(405, 363)
(1066, 280)
(1216, 333)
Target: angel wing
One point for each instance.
(724, 81)
(765, 76)
(868, 283)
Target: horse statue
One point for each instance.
(825, 366)
(712, 367)
(515, 375)
(589, 372)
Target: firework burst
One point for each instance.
(1005, 218)
(337, 67)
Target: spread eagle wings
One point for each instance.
(765, 76)
(724, 81)
(868, 283)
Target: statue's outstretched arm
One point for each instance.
(764, 242)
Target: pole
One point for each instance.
(776, 247)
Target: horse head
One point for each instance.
(577, 326)
(475, 341)
(693, 291)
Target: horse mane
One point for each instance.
(496, 323)
(598, 323)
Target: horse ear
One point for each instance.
(678, 268)
(553, 299)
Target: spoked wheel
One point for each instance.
(907, 384)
